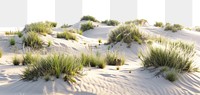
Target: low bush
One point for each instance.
(111, 22)
(112, 58)
(127, 33)
(39, 27)
(33, 40)
(89, 18)
(67, 35)
(87, 26)
(16, 61)
(54, 65)
(158, 24)
(12, 41)
(173, 28)
(93, 60)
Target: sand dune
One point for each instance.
(131, 79)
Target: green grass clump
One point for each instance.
(12, 41)
(54, 65)
(39, 27)
(126, 33)
(112, 58)
(87, 26)
(51, 24)
(178, 55)
(111, 22)
(158, 24)
(171, 75)
(28, 58)
(139, 22)
(173, 28)
(1, 53)
(11, 32)
(67, 35)
(89, 18)
(16, 61)
(65, 26)
(197, 28)
(49, 43)
(33, 40)
(19, 34)
(93, 60)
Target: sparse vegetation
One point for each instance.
(28, 58)
(139, 22)
(87, 26)
(33, 40)
(173, 28)
(11, 32)
(39, 27)
(171, 75)
(158, 24)
(65, 26)
(51, 24)
(1, 53)
(111, 22)
(112, 58)
(67, 35)
(54, 65)
(12, 41)
(126, 33)
(16, 61)
(89, 18)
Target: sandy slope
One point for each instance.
(108, 81)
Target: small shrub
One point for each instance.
(158, 24)
(39, 27)
(67, 35)
(51, 24)
(16, 61)
(112, 58)
(19, 34)
(139, 22)
(54, 65)
(65, 26)
(87, 26)
(12, 41)
(197, 28)
(89, 18)
(173, 28)
(111, 22)
(171, 75)
(127, 33)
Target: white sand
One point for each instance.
(106, 81)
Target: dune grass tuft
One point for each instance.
(178, 55)
(126, 33)
(65, 26)
(16, 60)
(39, 27)
(173, 28)
(29, 58)
(139, 22)
(197, 28)
(113, 58)
(67, 35)
(171, 75)
(111, 22)
(89, 18)
(54, 65)
(158, 24)
(51, 24)
(12, 41)
(19, 34)
(1, 53)
(33, 40)
(87, 26)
